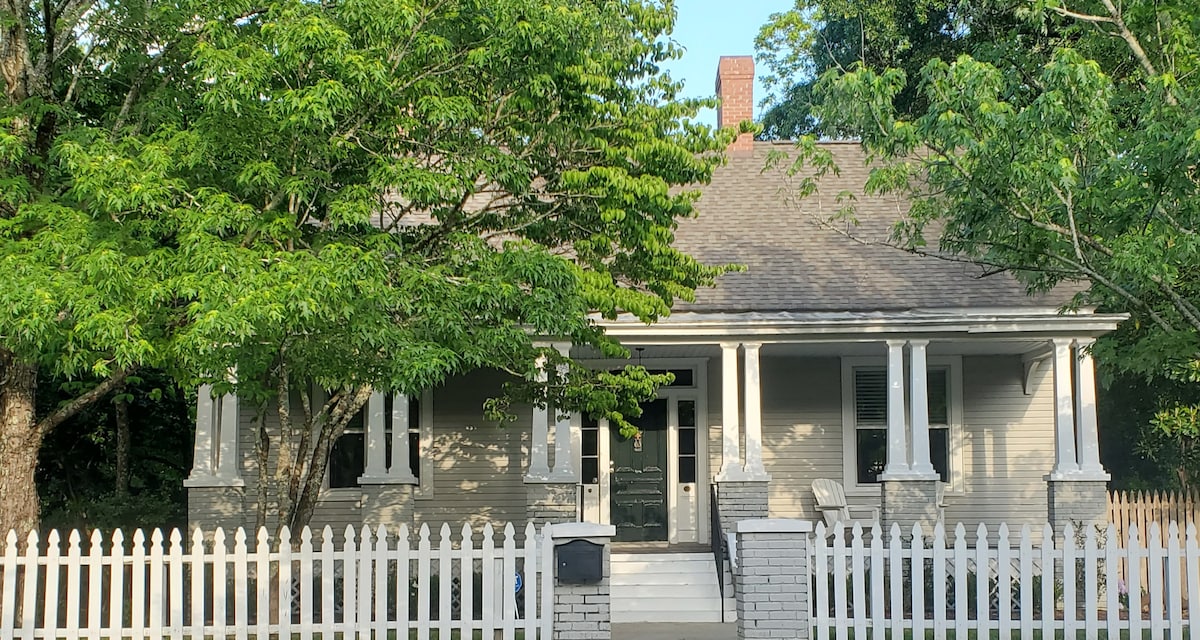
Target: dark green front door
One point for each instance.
(639, 477)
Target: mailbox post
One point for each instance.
(581, 580)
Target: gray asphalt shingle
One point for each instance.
(794, 263)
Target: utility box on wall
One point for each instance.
(579, 562)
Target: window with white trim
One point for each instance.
(866, 412)
(348, 455)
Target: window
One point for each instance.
(684, 378)
(414, 435)
(348, 455)
(866, 412)
(687, 441)
(590, 452)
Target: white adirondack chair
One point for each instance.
(831, 501)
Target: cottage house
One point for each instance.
(923, 387)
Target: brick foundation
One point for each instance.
(1077, 502)
(551, 503)
(909, 502)
(741, 500)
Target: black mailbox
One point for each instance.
(580, 562)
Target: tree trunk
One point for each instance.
(20, 440)
(121, 409)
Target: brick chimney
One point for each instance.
(735, 88)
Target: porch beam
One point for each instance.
(897, 440)
(1087, 439)
(919, 410)
(731, 455)
(754, 469)
(1066, 462)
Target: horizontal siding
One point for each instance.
(1008, 443)
(478, 466)
(802, 430)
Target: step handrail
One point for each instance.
(717, 540)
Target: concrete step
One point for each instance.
(665, 587)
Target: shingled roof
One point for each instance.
(795, 263)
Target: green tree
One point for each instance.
(83, 479)
(1068, 163)
(362, 194)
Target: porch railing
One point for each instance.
(717, 541)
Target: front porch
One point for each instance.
(999, 409)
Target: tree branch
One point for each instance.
(68, 410)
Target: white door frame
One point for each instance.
(698, 394)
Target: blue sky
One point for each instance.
(709, 29)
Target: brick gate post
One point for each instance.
(772, 579)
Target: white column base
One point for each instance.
(196, 482)
(909, 475)
(1078, 476)
(387, 480)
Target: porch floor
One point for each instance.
(675, 631)
(660, 547)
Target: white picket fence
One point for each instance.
(997, 584)
(372, 583)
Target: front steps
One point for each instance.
(665, 587)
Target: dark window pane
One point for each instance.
(684, 378)
(687, 442)
(590, 422)
(872, 454)
(591, 471)
(939, 452)
(687, 469)
(414, 413)
(939, 396)
(591, 442)
(414, 453)
(870, 396)
(687, 413)
(347, 461)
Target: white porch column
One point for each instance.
(539, 466)
(754, 468)
(202, 453)
(731, 455)
(919, 409)
(897, 444)
(1087, 439)
(376, 434)
(399, 470)
(564, 456)
(227, 454)
(1065, 460)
